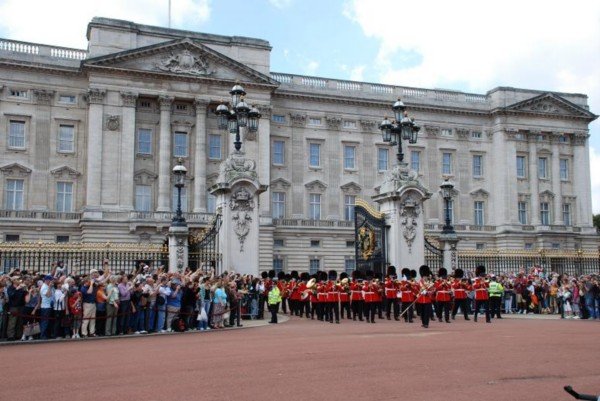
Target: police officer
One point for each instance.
(273, 300)
(496, 292)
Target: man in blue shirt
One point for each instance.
(47, 294)
(88, 293)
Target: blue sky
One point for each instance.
(466, 45)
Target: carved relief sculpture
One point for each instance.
(184, 63)
(113, 123)
(408, 219)
(242, 205)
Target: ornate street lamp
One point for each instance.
(237, 114)
(179, 171)
(402, 128)
(447, 192)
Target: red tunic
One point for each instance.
(369, 293)
(480, 287)
(294, 289)
(460, 289)
(333, 292)
(407, 292)
(344, 295)
(424, 288)
(390, 289)
(321, 292)
(355, 291)
(442, 291)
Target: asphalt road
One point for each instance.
(511, 359)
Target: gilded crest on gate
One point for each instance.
(366, 242)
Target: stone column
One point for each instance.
(164, 157)
(448, 243)
(200, 157)
(557, 204)
(264, 157)
(534, 184)
(41, 150)
(581, 181)
(401, 200)
(94, 149)
(127, 151)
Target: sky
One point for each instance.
(466, 45)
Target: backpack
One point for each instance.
(179, 325)
(160, 300)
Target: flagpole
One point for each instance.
(169, 13)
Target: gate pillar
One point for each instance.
(178, 248)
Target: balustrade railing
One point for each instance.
(42, 50)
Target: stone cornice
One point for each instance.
(129, 99)
(165, 102)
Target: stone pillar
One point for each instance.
(448, 243)
(94, 149)
(401, 200)
(581, 181)
(178, 249)
(264, 157)
(200, 157)
(557, 204)
(41, 150)
(127, 151)
(533, 182)
(164, 157)
(237, 193)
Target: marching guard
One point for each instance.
(443, 297)
(460, 287)
(480, 285)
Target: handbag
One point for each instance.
(202, 317)
(32, 329)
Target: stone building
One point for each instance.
(88, 139)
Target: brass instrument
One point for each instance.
(311, 283)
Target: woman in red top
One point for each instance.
(76, 310)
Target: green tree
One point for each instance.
(597, 221)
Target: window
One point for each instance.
(521, 167)
(349, 157)
(382, 159)
(349, 201)
(447, 163)
(446, 132)
(62, 239)
(315, 265)
(64, 196)
(13, 198)
(555, 245)
(349, 244)
(144, 145)
(314, 159)
(66, 138)
(180, 148)
(142, 198)
(278, 243)
(18, 93)
(184, 201)
(315, 243)
(415, 160)
(314, 121)
(278, 152)
(16, 134)
(542, 167)
(480, 246)
(528, 246)
(349, 124)
(70, 99)
(277, 265)
(12, 238)
(278, 118)
(522, 212)
(450, 211)
(545, 213)
(314, 207)
(476, 135)
(214, 147)
(564, 169)
(478, 213)
(211, 203)
(563, 139)
(278, 205)
(181, 107)
(349, 265)
(477, 165)
(566, 214)
(145, 104)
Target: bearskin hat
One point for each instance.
(304, 276)
(391, 271)
(321, 276)
(424, 271)
(369, 274)
(264, 275)
(280, 276)
(356, 275)
(480, 271)
(343, 275)
(459, 273)
(271, 273)
(333, 275)
(294, 274)
(413, 273)
(287, 277)
(406, 272)
(442, 272)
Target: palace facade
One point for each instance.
(88, 139)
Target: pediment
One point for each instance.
(351, 188)
(144, 177)
(547, 194)
(180, 58)
(280, 184)
(65, 171)
(15, 169)
(551, 104)
(479, 193)
(316, 185)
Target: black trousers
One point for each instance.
(261, 306)
(495, 303)
(445, 308)
(284, 305)
(345, 306)
(333, 310)
(303, 307)
(274, 308)
(408, 311)
(369, 309)
(424, 310)
(464, 308)
(357, 309)
(392, 303)
(486, 305)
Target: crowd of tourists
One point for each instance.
(107, 303)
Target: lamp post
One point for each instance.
(179, 171)
(237, 114)
(402, 128)
(447, 191)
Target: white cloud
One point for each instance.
(311, 67)
(64, 22)
(595, 168)
(280, 3)
(357, 73)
